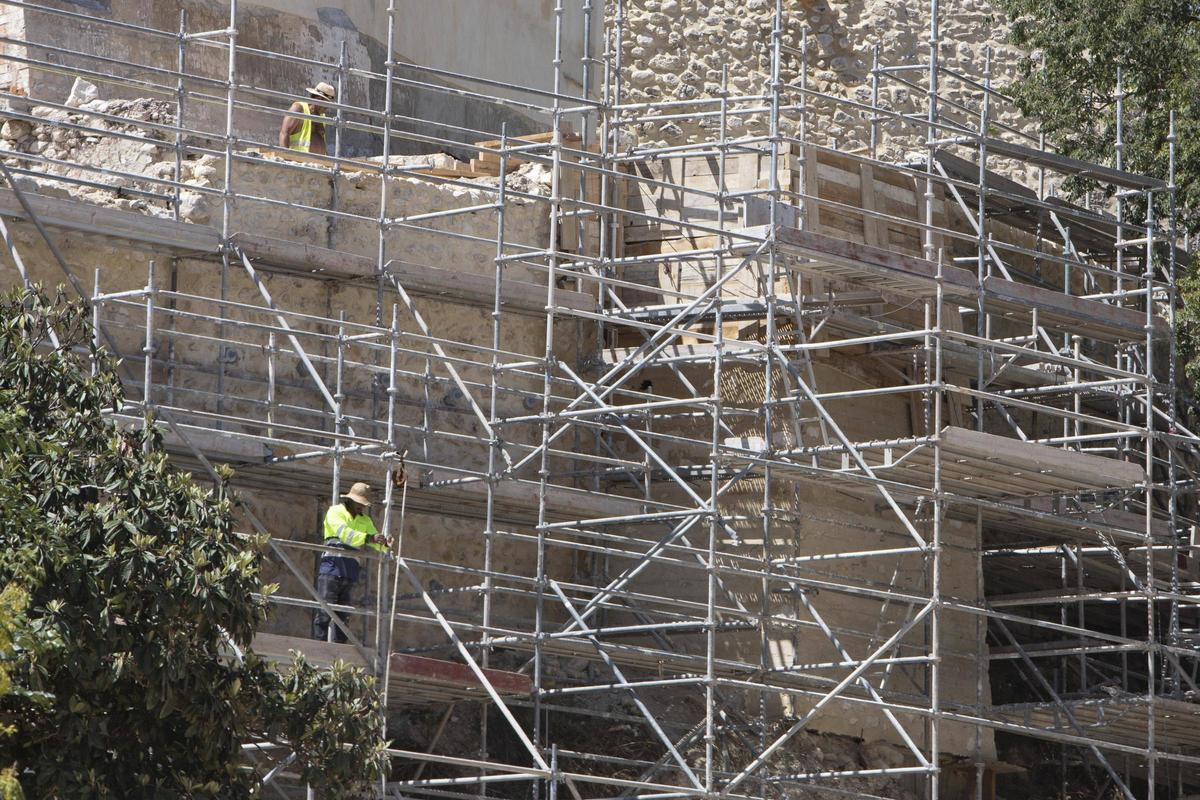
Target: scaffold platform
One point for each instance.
(902, 274)
(1122, 719)
(675, 491)
(412, 680)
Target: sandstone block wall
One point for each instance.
(293, 513)
(222, 370)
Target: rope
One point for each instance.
(387, 669)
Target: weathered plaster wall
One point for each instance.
(459, 36)
(12, 25)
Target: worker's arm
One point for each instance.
(379, 541)
(290, 125)
(375, 540)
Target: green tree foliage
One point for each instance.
(1069, 83)
(12, 616)
(127, 584)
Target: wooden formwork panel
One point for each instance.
(847, 192)
(688, 204)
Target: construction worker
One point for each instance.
(306, 135)
(348, 528)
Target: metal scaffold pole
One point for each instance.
(735, 438)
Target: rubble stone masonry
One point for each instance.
(676, 50)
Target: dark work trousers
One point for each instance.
(335, 590)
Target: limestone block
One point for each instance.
(82, 92)
(15, 129)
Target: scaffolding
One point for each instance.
(639, 475)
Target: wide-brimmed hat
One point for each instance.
(359, 493)
(323, 91)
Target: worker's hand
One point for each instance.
(379, 538)
(399, 478)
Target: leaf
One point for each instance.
(126, 566)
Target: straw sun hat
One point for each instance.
(359, 493)
(323, 91)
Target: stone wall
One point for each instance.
(221, 370)
(676, 50)
(810, 520)
(823, 523)
(292, 510)
(12, 26)
(291, 29)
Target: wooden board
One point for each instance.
(530, 138)
(457, 172)
(418, 676)
(412, 680)
(886, 270)
(1090, 318)
(486, 167)
(1123, 719)
(898, 273)
(976, 464)
(1072, 166)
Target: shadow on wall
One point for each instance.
(266, 82)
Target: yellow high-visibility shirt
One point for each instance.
(351, 531)
(302, 139)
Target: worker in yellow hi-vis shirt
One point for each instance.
(306, 135)
(347, 528)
